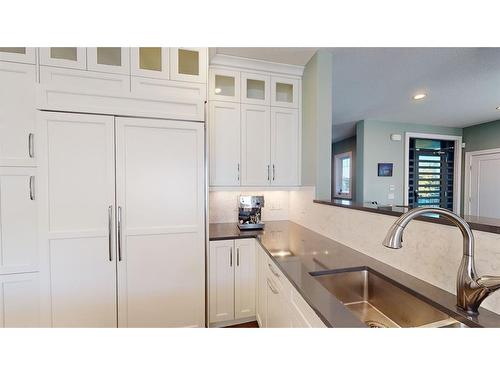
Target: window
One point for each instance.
(343, 175)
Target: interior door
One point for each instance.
(77, 195)
(255, 145)
(161, 230)
(245, 278)
(485, 185)
(284, 147)
(221, 284)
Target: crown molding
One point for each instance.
(227, 61)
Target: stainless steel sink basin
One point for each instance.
(380, 303)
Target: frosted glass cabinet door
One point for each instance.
(285, 92)
(224, 85)
(255, 89)
(18, 54)
(151, 62)
(64, 57)
(189, 64)
(108, 60)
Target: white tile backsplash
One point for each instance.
(223, 205)
(431, 252)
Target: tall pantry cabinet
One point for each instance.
(102, 220)
(19, 268)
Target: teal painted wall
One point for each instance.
(378, 148)
(360, 141)
(317, 123)
(340, 147)
(482, 137)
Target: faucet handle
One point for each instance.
(492, 283)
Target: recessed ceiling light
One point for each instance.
(498, 108)
(419, 96)
(218, 90)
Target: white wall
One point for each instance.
(431, 252)
(223, 205)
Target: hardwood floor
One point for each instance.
(253, 324)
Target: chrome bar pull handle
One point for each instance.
(119, 234)
(231, 257)
(237, 257)
(272, 270)
(238, 171)
(274, 173)
(110, 232)
(31, 147)
(273, 289)
(268, 173)
(32, 188)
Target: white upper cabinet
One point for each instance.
(17, 114)
(224, 133)
(150, 62)
(18, 225)
(108, 60)
(18, 54)
(189, 64)
(284, 147)
(255, 88)
(255, 145)
(284, 92)
(64, 57)
(224, 85)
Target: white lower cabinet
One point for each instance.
(279, 304)
(20, 300)
(232, 280)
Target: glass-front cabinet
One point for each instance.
(64, 57)
(18, 54)
(284, 92)
(151, 62)
(188, 64)
(224, 85)
(108, 60)
(255, 89)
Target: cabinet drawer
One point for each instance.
(309, 316)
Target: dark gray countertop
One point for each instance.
(484, 224)
(297, 251)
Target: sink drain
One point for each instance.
(375, 324)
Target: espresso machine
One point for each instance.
(250, 212)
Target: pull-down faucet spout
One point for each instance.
(471, 289)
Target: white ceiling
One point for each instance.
(463, 86)
(294, 56)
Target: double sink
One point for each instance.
(379, 302)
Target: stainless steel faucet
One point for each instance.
(471, 289)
